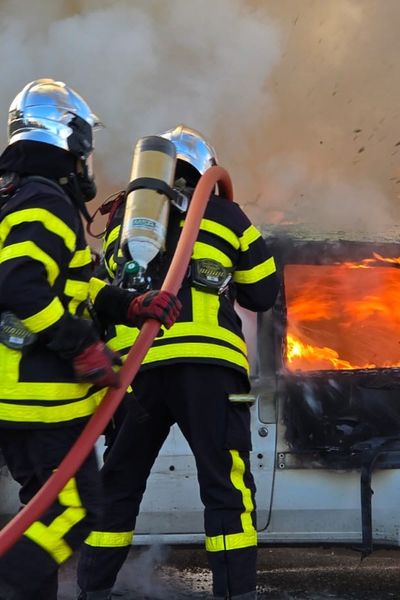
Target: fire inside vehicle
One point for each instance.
(325, 405)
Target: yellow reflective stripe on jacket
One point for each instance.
(205, 308)
(202, 250)
(109, 539)
(30, 250)
(73, 306)
(248, 537)
(221, 231)
(256, 273)
(125, 336)
(78, 290)
(110, 263)
(81, 258)
(50, 221)
(46, 317)
(50, 414)
(196, 350)
(112, 237)
(95, 286)
(12, 388)
(111, 266)
(51, 537)
(250, 235)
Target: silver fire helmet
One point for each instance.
(192, 147)
(48, 111)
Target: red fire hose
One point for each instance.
(97, 423)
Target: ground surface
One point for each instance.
(161, 573)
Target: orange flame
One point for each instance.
(366, 263)
(339, 318)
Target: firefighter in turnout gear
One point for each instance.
(186, 378)
(54, 367)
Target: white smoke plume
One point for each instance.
(331, 153)
(299, 97)
(145, 575)
(145, 66)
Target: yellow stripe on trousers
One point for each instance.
(248, 537)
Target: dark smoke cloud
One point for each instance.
(298, 96)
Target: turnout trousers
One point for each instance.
(195, 396)
(29, 570)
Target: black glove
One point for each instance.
(111, 305)
(70, 336)
(116, 305)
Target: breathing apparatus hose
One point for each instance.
(99, 420)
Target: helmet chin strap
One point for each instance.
(80, 192)
(86, 182)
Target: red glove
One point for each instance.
(159, 305)
(95, 365)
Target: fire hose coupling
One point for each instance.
(242, 398)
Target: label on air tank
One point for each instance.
(148, 225)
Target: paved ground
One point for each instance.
(161, 573)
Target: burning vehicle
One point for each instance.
(325, 405)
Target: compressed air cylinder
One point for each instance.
(147, 210)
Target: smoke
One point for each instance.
(299, 97)
(139, 574)
(145, 67)
(145, 575)
(332, 147)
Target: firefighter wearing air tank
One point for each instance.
(54, 367)
(192, 371)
